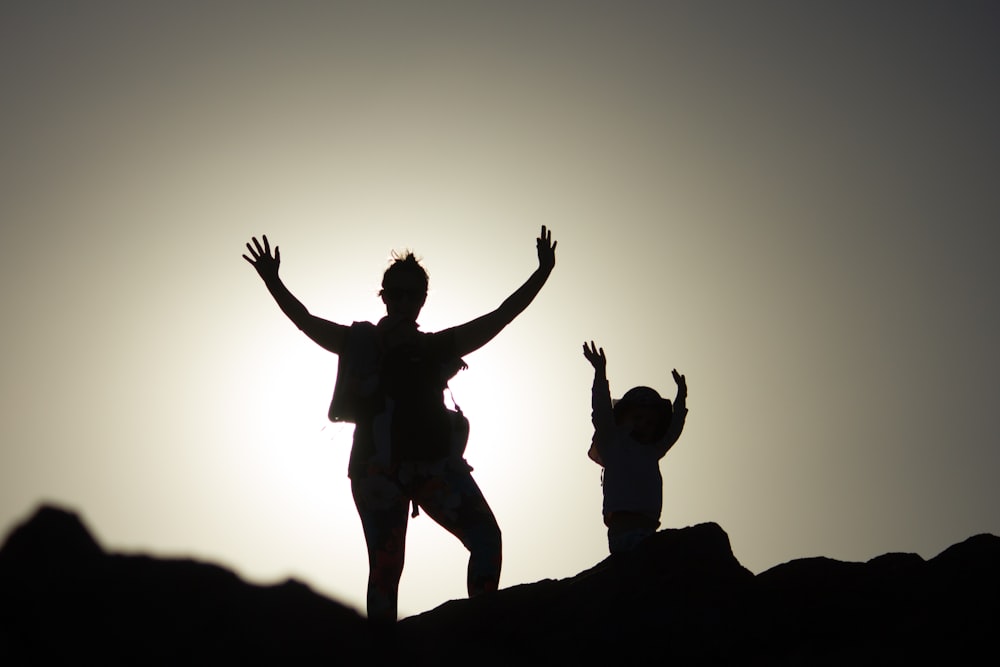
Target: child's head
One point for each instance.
(645, 412)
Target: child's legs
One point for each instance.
(627, 529)
(382, 506)
(455, 502)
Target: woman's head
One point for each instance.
(404, 286)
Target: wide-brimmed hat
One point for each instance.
(645, 397)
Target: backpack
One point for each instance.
(421, 428)
(412, 380)
(373, 384)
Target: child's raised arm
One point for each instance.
(602, 413)
(679, 413)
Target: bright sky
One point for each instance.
(794, 204)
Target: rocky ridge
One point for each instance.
(682, 597)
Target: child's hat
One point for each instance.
(641, 396)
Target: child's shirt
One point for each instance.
(632, 481)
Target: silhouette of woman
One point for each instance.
(407, 447)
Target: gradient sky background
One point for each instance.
(794, 204)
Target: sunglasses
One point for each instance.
(398, 293)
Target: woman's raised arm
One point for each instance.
(473, 335)
(328, 335)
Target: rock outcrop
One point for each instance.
(681, 598)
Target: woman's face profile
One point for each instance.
(403, 296)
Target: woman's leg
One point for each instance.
(455, 502)
(382, 506)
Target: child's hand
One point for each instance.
(595, 356)
(682, 388)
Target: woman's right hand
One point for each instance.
(265, 264)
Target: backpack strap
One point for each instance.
(355, 368)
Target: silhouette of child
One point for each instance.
(631, 435)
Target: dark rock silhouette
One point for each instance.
(682, 598)
(64, 601)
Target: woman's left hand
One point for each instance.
(546, 250)
(262, 259)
